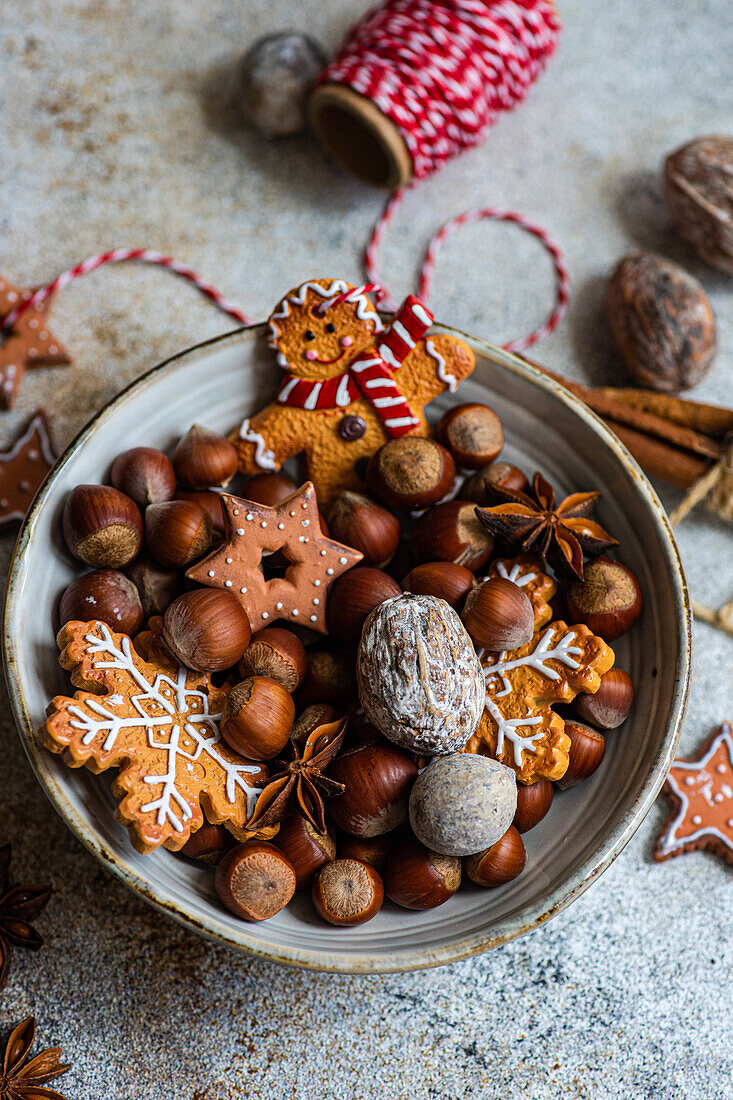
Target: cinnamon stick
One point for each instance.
(710, 419)
(658, 459)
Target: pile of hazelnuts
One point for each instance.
(416, 526)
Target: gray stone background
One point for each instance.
(116, 130)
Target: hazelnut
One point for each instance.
(499, 615)
(410, 472)
(177, 532)
(305, 848)
(204, 459)
(106, 595)
(277, 653)
(444, 579)
(269, 489)
(533, 803)
(607, 600)
(500, 863)
(416, 878)
(611, 704)
(463, 803)
(317, 714)
(697, 190)
(477, 487)
(157, 586)
(420, 682)
(144, 474)
(347, 892)
(208, 844)
(353, 596)
(472, 433)
(209, 501)
(102, 526)
(378, 778)
(587, 749)
(258, 716)
(452, 532)
(358, 521)
(329, 678)
(367, 849)
(255, 880)
(662, 321)
(206, 629)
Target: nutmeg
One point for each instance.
(498, 615)
(255, 880)
(416, 878)
(611, 704)
(697, 190)
(358, 521)
(607, 601)
(587, 749)
(451, 532)
(305, 848)
(499, 864)
(329, 678)
(378, 778)
(662, 321)
(208, 844)
(533, 803)
(444, 579)
(420, 681)
(258, 716)
(477, 487)
(102, 526)
(144, 474)
(347, 892)
(353, 596)
(177, 532)
(204, 459)
(107, 595)
(206, 629)
(410, 472)
(277, 653)
(472, 433)
(157, 586)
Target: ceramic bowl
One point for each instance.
(221, 382)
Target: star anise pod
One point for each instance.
(557, 533)
(24, 1080)
(300, 783)
(19, 905)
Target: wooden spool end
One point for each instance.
(355, 133)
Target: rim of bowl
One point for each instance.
(415, 959)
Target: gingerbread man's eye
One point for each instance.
(310, 335)
(330, 328)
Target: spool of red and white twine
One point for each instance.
(415, 83)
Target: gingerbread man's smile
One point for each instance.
(313, 358)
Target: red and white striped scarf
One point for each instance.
(369, 374)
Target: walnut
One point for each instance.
(698, 190)
(419, 678)
(662, 321)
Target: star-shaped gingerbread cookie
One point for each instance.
(701, 794)
(22, 469)
(255, 531)
(28, 344)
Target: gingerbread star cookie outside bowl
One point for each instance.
(349, 383)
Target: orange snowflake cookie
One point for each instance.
(519, 726)
(159, 724)
(349, 384)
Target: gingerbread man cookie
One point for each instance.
(22, 469)
(700, 791)
(350, 384)
(159, 724)
(28, 344)
(519, 727)
(254, 531)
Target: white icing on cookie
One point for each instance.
(264, 457)
(443, 375)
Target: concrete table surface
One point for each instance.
(117, 130)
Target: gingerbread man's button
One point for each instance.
(351, 428)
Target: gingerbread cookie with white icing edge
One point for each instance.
(350, 384)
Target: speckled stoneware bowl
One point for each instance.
(219, 383)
